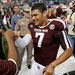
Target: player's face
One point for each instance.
(37, 17)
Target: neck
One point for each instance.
(27, 18)
(45, 23)
(18, 14)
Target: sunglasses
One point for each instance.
(26, 11)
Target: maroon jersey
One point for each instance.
(46, 40)
(7, 67)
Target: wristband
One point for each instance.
(52, 65)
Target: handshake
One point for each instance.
(11, 35)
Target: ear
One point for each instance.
(45, 13)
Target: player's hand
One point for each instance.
(49, 70)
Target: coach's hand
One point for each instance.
(16, 34)
(49, 70)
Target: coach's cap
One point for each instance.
(26, 7)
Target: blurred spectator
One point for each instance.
(64, 15)
(64, 18)
(59, 12)
(1, 30)
(16, 16)
(71, 27)
(7, 18)
(49, 4)
(61, 5)
(64, 8)
(71, 4)
(2, 11)
(51, 13)
(22, 26)
(5, 9)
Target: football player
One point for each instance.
(47, 37)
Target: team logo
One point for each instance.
(52, 27)
(31, 26)
(38, 67)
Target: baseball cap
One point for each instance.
(26, 7)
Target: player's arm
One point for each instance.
(12, 51)
(22, 42)
(66, 45)
(63, 57)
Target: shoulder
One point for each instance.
(59, 24)
(6, 64)
(31, 24)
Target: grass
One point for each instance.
(5, 46)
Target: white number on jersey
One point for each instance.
(40, 38)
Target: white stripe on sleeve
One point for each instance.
(65, 39)
(15, 64)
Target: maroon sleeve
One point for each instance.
(63, 40)
(60, 33)
(7, 67)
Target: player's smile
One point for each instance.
(35, 21)
(36, 17)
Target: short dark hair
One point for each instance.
(16, 5)
(39, 6)
(58, 11)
